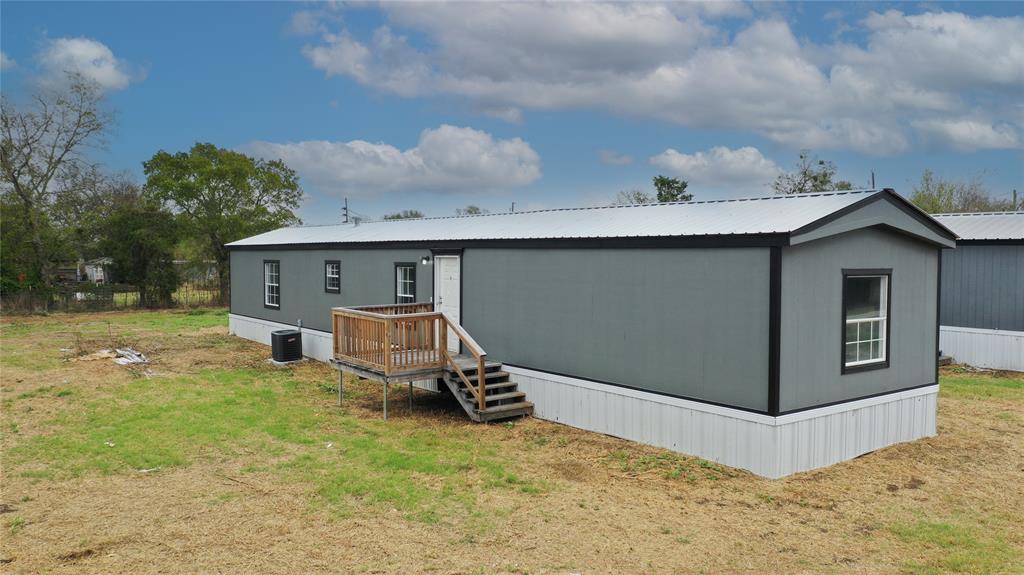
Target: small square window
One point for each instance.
(866, 319)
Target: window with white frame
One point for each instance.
(866, 315)
(405, 283)
(272, 284)
(332, 276)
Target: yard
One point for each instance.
(209, 459)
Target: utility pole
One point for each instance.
(344, 212)
(872, 179)
(1014, 201)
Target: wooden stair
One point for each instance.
(501, 395)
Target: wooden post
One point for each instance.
(387, 352)
(480, 378)
(385, 401)
(442, 327)
(341, 385)
(410, 397)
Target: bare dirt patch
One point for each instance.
(568, 500)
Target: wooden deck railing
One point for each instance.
(479, 355)
(403, 338)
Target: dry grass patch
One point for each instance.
(222, 463)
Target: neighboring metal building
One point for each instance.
(982, 313)
(776, 334)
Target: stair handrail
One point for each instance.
(445, 323)
(480, 393)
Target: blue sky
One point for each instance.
(433, 106)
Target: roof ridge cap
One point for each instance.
(650, 205)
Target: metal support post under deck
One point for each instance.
(341, 386)
(385, 401)
(410, 397)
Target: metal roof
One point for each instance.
(985, 225)
(762, 215)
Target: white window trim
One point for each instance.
(401, 282)
(267, 266)
(335, 276)
(882, 319)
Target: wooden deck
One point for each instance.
(405, 370)
(402, 343)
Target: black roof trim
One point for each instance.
(716, 241)
(994, 242)
(897, 200)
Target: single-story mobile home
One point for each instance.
(982, 314)
(775, 334)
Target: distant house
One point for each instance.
(96, 270)
(775, 334)
(66, 273)
(982, 313)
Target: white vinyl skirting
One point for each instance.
(768, 446)
(991, 348)
(316, 344)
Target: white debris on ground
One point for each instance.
(127, 355)
(121, 356)
(101, 354)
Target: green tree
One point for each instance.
(666, 189)
(671, 189)
(404, 215)
(40, 145)
(471, 210)
(140, 238)
(632, 197)
(83, 204)
(811, 175)
(221, 196)
(19, 263)
(937, 195)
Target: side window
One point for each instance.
(272, 284)
(405, 283)
(866, 322)
(332, 276)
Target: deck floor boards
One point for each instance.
(465, 362)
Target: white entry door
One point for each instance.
(448, 293)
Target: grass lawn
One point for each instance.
(209, 459)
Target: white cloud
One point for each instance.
(446, 159)
(90, 58)
(314, 21)
(613, 158)
(966, 134)
(723, 9)
(673, 63)
(741, 169)
(389, 63)
(6, 62)
(509, 114)
(304, 23)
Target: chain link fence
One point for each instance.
(84, 296)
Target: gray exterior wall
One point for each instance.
(812, 317)
(983, 287)
(367, 278)
(687, 322)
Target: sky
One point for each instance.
(433, 106)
